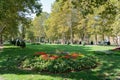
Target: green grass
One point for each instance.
(109, 67)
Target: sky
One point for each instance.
(47, 5)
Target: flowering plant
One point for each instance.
(59, 64)
(46, 56)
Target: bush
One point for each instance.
(13, 42)
(59, 64)
(22, 44)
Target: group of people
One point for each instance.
(18, 42)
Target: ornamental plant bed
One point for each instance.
(59, 63)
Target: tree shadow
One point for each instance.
(110, 66)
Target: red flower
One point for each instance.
(74, 55)
(40, 53)
(67, 56)
(54, 57)
(45, 56)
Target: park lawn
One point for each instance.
(109, 66)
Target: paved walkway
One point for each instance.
(1, 78)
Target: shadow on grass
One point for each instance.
(110, 66)
(9, 60)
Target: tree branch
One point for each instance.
(2, 29)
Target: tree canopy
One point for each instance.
(69, 20)
(15, 12)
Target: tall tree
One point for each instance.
(12, 12)
(58, 20)
(116, 22)
(39, 25)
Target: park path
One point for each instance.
(1, 78)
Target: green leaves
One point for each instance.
(13, 13)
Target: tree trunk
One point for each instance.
(108, 38)
(1, 40)
(71, 35)
(83, 36)
(39, 39)
(96, 40)
(116, 40)
(103, 37)
(23, 32)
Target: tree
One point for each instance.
(59, 21)
(81, 19)
(13, 12)
(39, 26)
(116, 23)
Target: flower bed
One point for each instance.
(59, 63)
(46, 56)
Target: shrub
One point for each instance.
(22, 44)
(59, 64)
